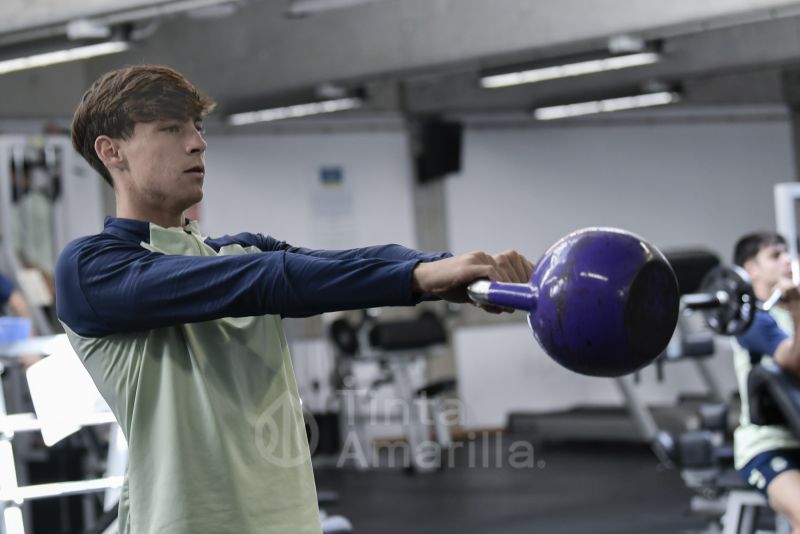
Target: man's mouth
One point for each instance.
(198, 169)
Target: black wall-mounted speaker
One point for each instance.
(438, 149)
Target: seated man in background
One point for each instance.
(768, 456)
(182, 333)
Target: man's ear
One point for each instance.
(751, 266)
(108, 150)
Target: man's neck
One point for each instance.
(763, 291)
(161, 217)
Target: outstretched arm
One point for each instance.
(109, 286)
(267, 243)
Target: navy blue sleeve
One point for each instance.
(386, 252)
(763, 336)
(105, 285)
(270, 244)
(245, 239)
(6, 288)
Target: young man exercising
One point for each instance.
(182, 333)
(768, 457)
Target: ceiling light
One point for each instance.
(606, 106)
(296, 111)
(62, 56)
(567, 70)
(87, 29)
(299, 8)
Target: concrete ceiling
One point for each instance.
(27, 17)
(422, 56)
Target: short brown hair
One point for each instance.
(119, 99)
(748, 246)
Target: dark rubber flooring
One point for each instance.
(573, 488)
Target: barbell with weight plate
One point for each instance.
(727, 301)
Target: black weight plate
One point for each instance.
(736, 315)
(344, 337)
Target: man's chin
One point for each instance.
(192, 201)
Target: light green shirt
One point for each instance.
(213, 420)
(750, 440)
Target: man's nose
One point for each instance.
(197, 143)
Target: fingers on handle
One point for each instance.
(485, 266)
(518, 268)
(509, 266)
(505, 268)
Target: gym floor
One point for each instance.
(575, 488)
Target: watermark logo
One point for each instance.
(484, 450)
(285, 436)
(426, 424)
(284, 433)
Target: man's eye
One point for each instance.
(170, 129)
(200, 127)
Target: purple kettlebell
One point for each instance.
(601, 301)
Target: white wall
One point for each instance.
(270, 184)
(677, 185)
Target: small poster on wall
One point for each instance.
(333, 209)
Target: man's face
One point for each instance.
(164, 163)
(770, 265)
